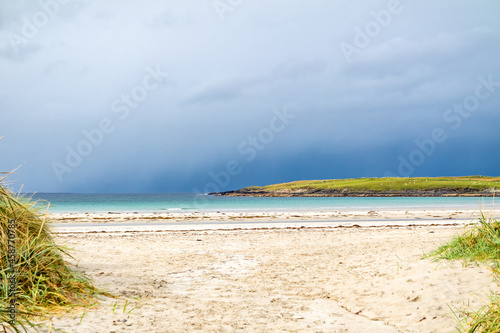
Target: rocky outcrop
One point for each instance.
(435, 192)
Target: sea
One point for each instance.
(190, 203)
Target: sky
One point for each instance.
(205, 96)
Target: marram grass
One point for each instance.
(45, 282)
(481, 243)
(487, 319)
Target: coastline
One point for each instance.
(272, 219)
(370, 194)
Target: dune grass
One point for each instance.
(479, 244)
(45, 282)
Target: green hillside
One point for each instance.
(439, 186)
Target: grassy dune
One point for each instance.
(379, 186)
(33, 272)
(481, 244)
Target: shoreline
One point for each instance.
(343, 194)
(163, 222)
(115, 228)
(272, 216)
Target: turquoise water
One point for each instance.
(188, 202)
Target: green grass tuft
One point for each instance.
(481, 243)
(45, 282)
(486, 319)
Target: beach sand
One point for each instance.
(289, 279)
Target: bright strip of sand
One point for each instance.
(98, 222)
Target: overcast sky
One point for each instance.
(202, 95)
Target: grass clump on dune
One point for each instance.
(477, 244)
(45, 282)
(481, 243)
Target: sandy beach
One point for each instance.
(298, 277)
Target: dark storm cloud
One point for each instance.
(225, 89)
(78, 91)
